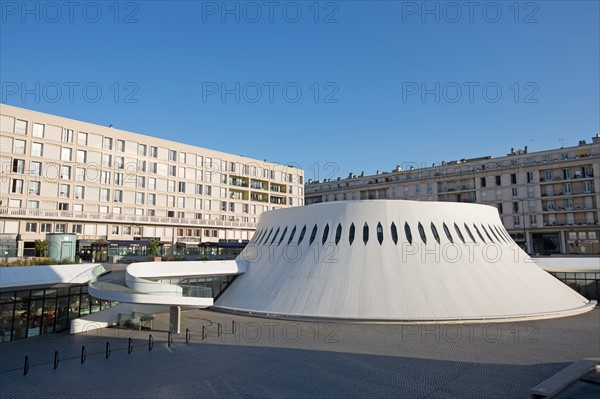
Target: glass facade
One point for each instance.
(587, 284)
(27, 313)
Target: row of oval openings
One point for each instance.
(498, 233)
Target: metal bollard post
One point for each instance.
(170, 339)
(188, 336)
(26, 366)
(203, 333)
(107, 353)
(83, 354)
(130, 346)
(233, 326)
(56, 360)
(150, 342)
(219, 329)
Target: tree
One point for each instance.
(41, 246)
(153, 247)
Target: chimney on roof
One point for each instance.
(110, 126)
(582, 142)
(526, 150)
(512, 151)
(596, 139)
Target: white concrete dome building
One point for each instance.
(393, 261)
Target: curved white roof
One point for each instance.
(408, 260)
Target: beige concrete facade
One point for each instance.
(62, 175)
(547, 200)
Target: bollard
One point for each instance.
(203, 332)
(170, 339)
(150, 342)
(56, 360)
(219, 329)
(233, 326)
(26, 366)
(83, 354)
(188, 336)
(130, 346)
(107, 353)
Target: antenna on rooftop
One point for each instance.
(562, 142)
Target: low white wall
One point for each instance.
(581, 264)
(110, 316)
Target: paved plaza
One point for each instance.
(261, 357)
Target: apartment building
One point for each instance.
(60, 175)
(547, 200)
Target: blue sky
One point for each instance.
(332, 87)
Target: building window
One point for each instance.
(18, 166)
(514, 191)
(65, 172)
(37, 149)
(498, 181)
(114, 230)
(104, 194)
(66, 154)
(172, 170)
(180, 202)
(587, 187)
(32, 204)
(181, 188)
(139, 198)
(121, 145)
(17, 186)
(77, 229)
(67, 136)
(105, 177)
(141, 165)
(567, 173)
(63, 206)
(38, 130)
(529, 177)
(21, 127)
(151, 199)
(80, 174)
(182, 157)
(31, 227)
(64, 190)
(513, 178)
(45, 227)
(118, 197)
(35, 168)
(173, 155)
(568, 203)
(34, 187)
(548, 175)
(81, 156)
(140, 182)
(107, 143)
(568, 188)
(19, 147)
(154, 152)
(79, 192)
(120, 162)
(152, 183)
(142, 150)
(516, 207)
(82, 138)
(516, 221)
